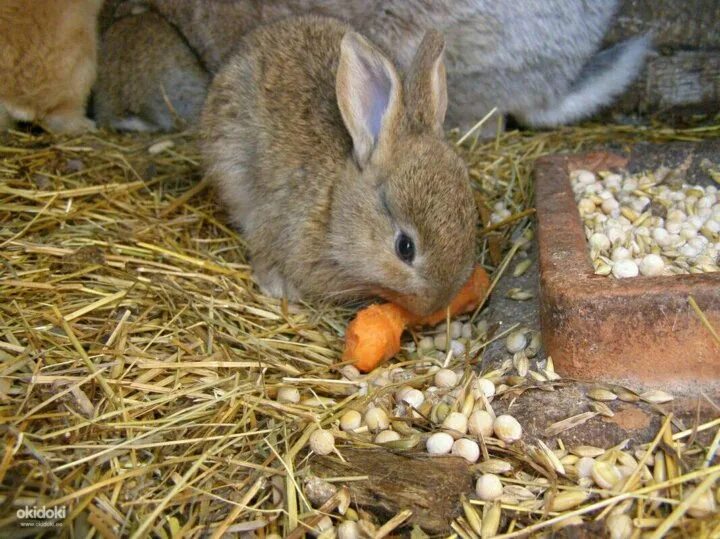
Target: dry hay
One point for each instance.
(140, 365)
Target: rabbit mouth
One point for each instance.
(415, 303)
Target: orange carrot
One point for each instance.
(374, 335)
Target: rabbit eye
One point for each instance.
(405, 248)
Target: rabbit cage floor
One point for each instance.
(141, 368)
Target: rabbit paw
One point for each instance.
(272, 284)
(68, 124)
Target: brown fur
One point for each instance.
(48, 60)
(319, 207)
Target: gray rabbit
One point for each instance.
(535, 59)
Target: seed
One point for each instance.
(625, 268)
(439, 412)
(322, 442)
(318, 491)
(446, 378)
(455, 329)
(523, 266)
(350, 420)
(599, 241)
(602, 409)
(704, 506)
(600, 394)
(467, 331)
(652, 265)
(507, 428)
(457, 348)
(567, 500)
(490, 521)
(587, 451)
(515, 341)
(584, 466)
(413, 397)
(426, 344)
(467, 449)
(619, 526)
(480, 423)
(440, 341)
(521, 363)
(656, 396)
(485, 387)
(385, 436)
(439, 443)
(535, 344)
(376, 419)
(519, 294)
(494, 466)
(584, 177)
(348, 530)
(605, 475)
(324, 524)
(488, 487)
(288, 394)
(160, 147)
(620, 253)
(456, 423)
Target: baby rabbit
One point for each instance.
(335, 168)
(148, 79)
(48, 60)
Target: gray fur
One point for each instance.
(525, 57)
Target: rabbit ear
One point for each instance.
(369, 97)
(426, 84)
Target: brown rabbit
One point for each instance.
(335, 168)
(149, 79)
(48, 59)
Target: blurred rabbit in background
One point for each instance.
(538, 60)
(48, 60)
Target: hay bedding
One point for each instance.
(140, 365)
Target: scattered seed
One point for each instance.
(288, 394)
(515, 341)
(467, 449)
(350, 420)
(348, 530)
(322, 442)
(488, 487)
(376, 419)
(619, 526)
(605, 475)
(385, 436)
(456, 423)
(600, 394)
(507, 428)
(494, 466)
(160, 147)
(446, 378)
(656, 396)
(522, 267)
(519, 294)
(439, 443)
(568, 499)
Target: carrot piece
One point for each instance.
(374, 335)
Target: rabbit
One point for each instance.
(536, 60)
(48, 61)
(149, 79)
(335, 168)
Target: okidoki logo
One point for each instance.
(42, 513)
